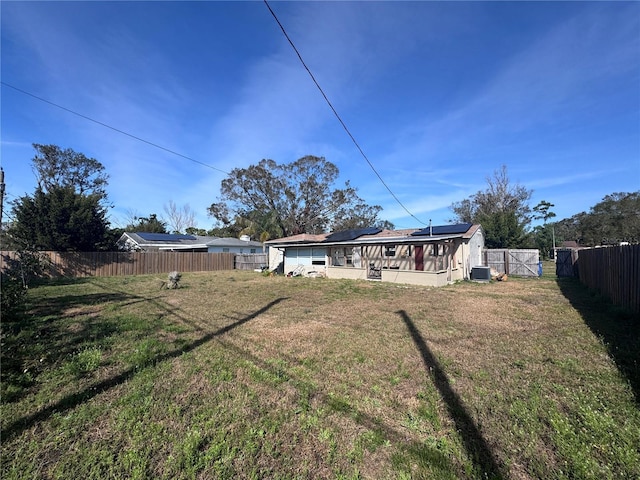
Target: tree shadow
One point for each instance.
(84, 264)
(617, 328)
(71, 401)
(56, 265)
(475, 444)
(49, 332)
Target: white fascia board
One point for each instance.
(373, 241)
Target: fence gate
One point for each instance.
(522, 262)
(565, 259)
(250, 261)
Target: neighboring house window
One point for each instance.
(225, 250)
(390, 251)
(253, 250)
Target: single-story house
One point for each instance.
(145, 242)
(432, 256)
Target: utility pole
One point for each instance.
(1, 195)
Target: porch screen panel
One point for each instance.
(357, 257)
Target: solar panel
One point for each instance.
(444, 229)
(164, 237)
(352, 234)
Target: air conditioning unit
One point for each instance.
(481, 274)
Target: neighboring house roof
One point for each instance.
(145, 240)
(233, 242)
(169, 241)
(378, 236)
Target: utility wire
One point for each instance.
(338, 116)
(114, 129)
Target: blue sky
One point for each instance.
(439, 95)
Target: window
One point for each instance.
(318, 256)
(225, 250)
(390, 251)
(304, 256)
(253, 250)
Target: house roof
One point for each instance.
(232, 242)
(170, 241)
(378, 236)
(443, 230)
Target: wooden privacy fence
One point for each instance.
(250, 261)
(522, 262)
(107, 264)
(613, 272)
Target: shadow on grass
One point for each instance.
(48, 332)
(63, 305)
(618, 329)
(410, 453)
(75, 399)
(476, 446)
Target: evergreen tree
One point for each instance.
(150, 224)
(60, 219)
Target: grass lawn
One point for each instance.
(237, 375)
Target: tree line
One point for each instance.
(68, 211)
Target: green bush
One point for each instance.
(12, 293)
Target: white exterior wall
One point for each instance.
(276, 256)
(350, 273)
(230, 249)
(427, 279)
(475, 245)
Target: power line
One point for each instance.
(114, 129)
(338, 116)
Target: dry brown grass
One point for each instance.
(311, 378)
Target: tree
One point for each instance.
(613, 220)
(150, 224)
(544, 235)
(502, 210)
(55, 167)
(543, 211)
(282, 200)
(362, 216)
(179, 219)
(60, 219)
(503, 230)
(67, 211)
